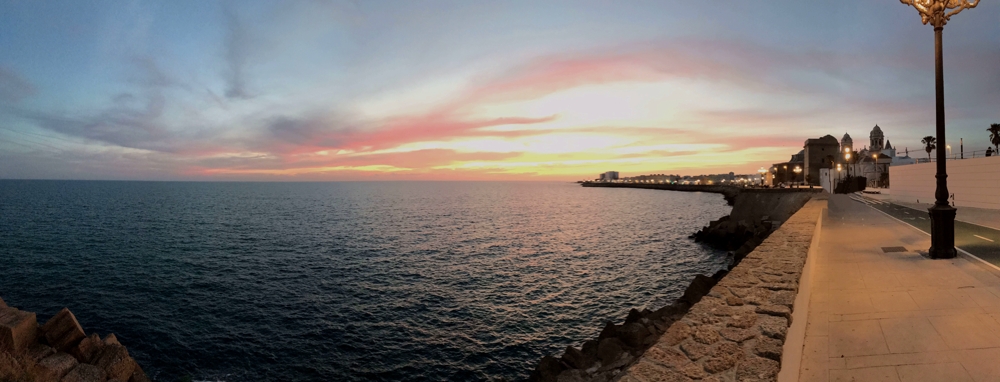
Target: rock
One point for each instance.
(572, 376)
(734, 301)
(111, 339)
(699, 287)
(548, 369)
(18, 329)
(693, 370)
(609, 350)
(754, 369)
(667, 356)
(634, 334)
(589, 349)
(85, 350)
(633, 316)
(610, 330)
(768, 348)
(138, 375)
(54, 367)
(63, 331)
(39, 351)
(576, 359)
(115, 361)
(85, 373)
(3, 305)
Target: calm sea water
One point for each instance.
(407, 281)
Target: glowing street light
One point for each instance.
(938, 13)
(798, 170)
(762, 171)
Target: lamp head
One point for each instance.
(936, 12)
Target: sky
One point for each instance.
(472, 90)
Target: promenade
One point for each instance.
(881, 311)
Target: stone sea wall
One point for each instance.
(736, 332)
(721, 322)
(60, 351)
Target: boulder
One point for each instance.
(3, 305)
(85, 373)
(699, 287)
(633, 335)
(85, 350)
(18, 330)
(576, 359)
(114, 361)
(62, 331)
(548, 369)
(609, 350)
(111, 339)
(38, 351)
(54, 367)
(138, 375)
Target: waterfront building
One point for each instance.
(608, 176)
(819, 153)
(784, 172)
(873, 161)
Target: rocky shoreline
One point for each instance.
(59, 350)
(754, 217)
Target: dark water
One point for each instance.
(411, 281)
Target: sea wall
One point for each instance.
(737, 331)
(60, 351)
(728, 192)
(618, 347)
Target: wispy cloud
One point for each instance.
(13, 88)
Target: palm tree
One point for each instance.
(929, 145)
(994, 135)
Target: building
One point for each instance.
(608, 176)
(784, 172)
(874, 160)
(819, 153)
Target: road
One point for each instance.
(981, 242)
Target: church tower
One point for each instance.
(877, 139)
(846, 144)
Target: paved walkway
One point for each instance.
(895, 316)
(981, 216)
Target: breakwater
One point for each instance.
(60, 351)
(756, 214)
(728, 192)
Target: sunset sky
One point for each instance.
(471, 90)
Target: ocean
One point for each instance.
(349, 281)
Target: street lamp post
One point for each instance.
(875, 182)
(762, 171)
(797, 170)
(937, 13)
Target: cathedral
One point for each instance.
(873, 161)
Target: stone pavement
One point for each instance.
(890, 314)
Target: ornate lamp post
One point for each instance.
(797, 170)
(937, 13)
(762, 171)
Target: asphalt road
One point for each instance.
(980, 241)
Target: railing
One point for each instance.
(954, 155)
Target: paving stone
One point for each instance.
(775, 310)
(737, 335)
(752, 369)
(773, 326)
(648, 372)
(667, 357)
(768, 347)
(742, 319)
(676, 333)
(694, 350)
(706, 334)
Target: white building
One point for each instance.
(608, 176)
